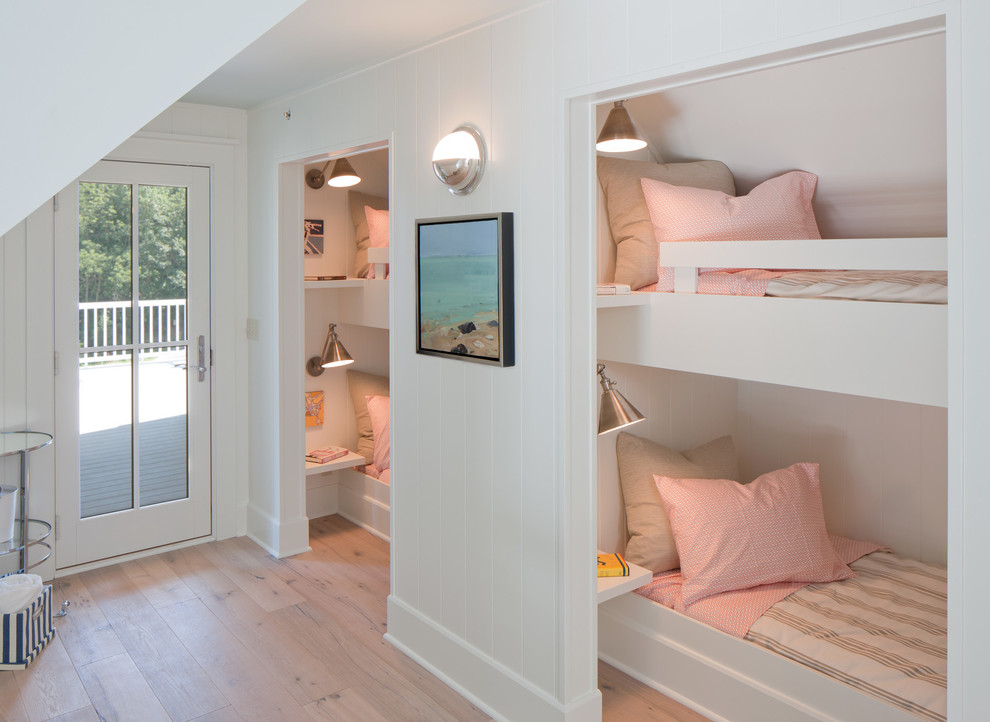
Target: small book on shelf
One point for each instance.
(324, 278)
(613, 289)
(325, 454)
(612, 565)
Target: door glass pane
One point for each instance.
(162, 263)
(105, 369)
(162, 429)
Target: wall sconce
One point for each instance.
(342, 175)
(459, 160)
(334, 354)
(619, 134)
(615, 411)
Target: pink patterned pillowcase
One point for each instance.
(378, 229)
(378, 411)
(776, 210)
(735, 536)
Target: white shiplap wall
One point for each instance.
(27, 359)
(475, 489)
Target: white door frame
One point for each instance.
(226, 160)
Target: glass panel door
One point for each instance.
(143, 389)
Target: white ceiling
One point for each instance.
(325, 39)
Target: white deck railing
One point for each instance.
(105, 327)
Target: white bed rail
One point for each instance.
(860, 254)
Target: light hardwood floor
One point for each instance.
(223, 631)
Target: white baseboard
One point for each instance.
(278, 539)
(492, 687)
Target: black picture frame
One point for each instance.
(465, 297)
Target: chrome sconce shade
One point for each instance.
(619, 134)
(615, 411)
(334, 354)
(459, 160)
(342, 175)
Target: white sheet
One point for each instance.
(900, 286)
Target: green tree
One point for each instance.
(105, 223)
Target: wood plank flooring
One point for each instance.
(223, 632)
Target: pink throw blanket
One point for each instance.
(735, 612)
(727, 282)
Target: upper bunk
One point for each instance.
(870, 124)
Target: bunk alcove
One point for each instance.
(858, 386)
(359, 306)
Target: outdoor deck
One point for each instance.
(105, 465)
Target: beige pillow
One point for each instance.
(362, 385)
(651, 542)
(628, 217)
(356, 201)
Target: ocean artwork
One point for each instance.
(459, 288)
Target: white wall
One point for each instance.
(475, 546)
(491, 575)
(81, 77)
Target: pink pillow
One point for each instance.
(378, 411)
(776, 210)
(378, 230)
(735, 536)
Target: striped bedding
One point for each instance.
(889, 286)
(882, 632)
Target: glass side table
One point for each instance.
(30, 532)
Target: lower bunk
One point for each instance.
(871, 647)
(365, 500)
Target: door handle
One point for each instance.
(201, 367)
(202, 358)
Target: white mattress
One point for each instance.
(882, 632)
(900, 286)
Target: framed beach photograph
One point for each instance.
(464, 289)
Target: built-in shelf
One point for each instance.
(344, 462)
(342, 283)
(611, 587)
(636, 298)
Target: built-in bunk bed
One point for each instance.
(354, 399)
(816, 588)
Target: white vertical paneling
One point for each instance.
(901, 449)
(508, 499)
(749, 23)
(15, 328)
(13, 404)
(571, 35)
(39, 352)
(430, 388)
(456, 407)
(797, 17)
(511, 490)
(608, 50)
(405, 518)
(537, 349)
(649, 44)
(478, 521)
(863, 510)
(934, 486)
(883, 463)
(853, 10)
(696, 30)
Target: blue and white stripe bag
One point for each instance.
(25, 633)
